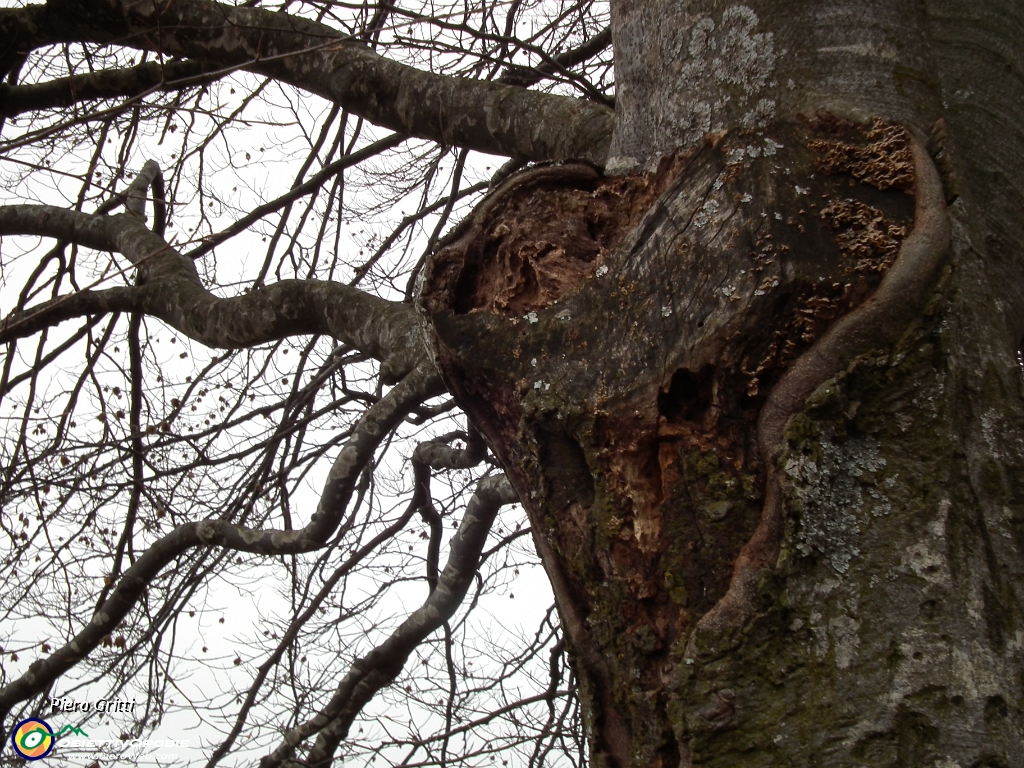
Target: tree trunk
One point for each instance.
(765, 422)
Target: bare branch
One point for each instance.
(486, 116)
(382, 665)
(297, 624)
(438, 454)
(526, 77)
(109, 84)
(307, 187)
(375, 425)
(169, 288)
(149, 178)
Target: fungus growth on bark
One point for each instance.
(633, 347)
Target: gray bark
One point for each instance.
(780, 497)
(782, 523)
(168, 287)
(122, 83)
(745, 65)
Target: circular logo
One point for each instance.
(32, 739)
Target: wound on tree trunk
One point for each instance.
(617, 339)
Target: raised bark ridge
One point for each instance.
(633, 348)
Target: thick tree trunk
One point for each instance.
(769, 443)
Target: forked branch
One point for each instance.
(383, 664)
(170, 289)
(486, 116)
(373, 427)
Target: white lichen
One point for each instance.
(706, 213)
(828, 490)
(844, 630)
(745, 59)
(727, 53)
(766, 285)
(761, 114)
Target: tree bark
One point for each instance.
(168, 287)
(741, 397)
(757, 387)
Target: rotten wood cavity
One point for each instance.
(615, 341)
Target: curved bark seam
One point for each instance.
(882, 317)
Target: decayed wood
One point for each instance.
(611, 366)
(879, 321)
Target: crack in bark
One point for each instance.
(532, 384)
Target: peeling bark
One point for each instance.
(771, 456)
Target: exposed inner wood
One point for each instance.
(635, 431)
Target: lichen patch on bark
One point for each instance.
(616, 341)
